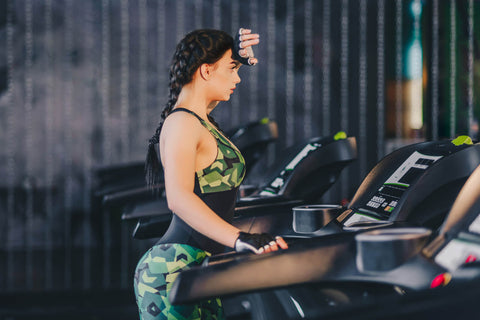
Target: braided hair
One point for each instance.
(196, 48)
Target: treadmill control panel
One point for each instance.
(278, 182)
(386, 199)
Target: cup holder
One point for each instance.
(310, 218)
(385, 249)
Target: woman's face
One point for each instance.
(224, 77)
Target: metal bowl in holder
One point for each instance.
(385, 249)
(310, 218)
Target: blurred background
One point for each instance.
(82, 85)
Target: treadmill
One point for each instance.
(303, 174)
(442, 277)
(343, 261)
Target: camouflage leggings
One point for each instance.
(154, 276)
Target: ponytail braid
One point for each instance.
(196, 48)
(153, 168)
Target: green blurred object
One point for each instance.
(340, 135)
(462, 140)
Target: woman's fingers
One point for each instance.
(245, 31)
(253, 61)
(243, 53)
(249, 43)
(252, 36)
(276, 245)
(273, 246)
(282, 243)
(264, 249)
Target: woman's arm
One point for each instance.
(179, 143)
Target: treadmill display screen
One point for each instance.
(274, 187)
(386, 199)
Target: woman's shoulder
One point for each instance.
(181, 122)
(182, 115)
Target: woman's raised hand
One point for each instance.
(244, 41)
(247, 40)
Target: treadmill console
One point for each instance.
(274, 187)
(384, 201)
(413, 184)
(306, 171)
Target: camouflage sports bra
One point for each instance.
(217, 186)
(228, 169)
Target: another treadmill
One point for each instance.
(326, 267)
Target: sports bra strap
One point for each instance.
(189, 111)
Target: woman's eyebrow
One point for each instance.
(235, 62)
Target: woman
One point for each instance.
(202, 172)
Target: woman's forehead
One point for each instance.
(228, 57)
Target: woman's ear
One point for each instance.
(205, 71)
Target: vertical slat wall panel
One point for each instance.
(470, 69)
(308, 71)
(143, 49)
(235, 100)
(344, 83)
(434, 70)
(180, 20)
(105, 83)
(162, 72)
(398, 68)
(289, 73)
(124, 80)
(49, 145)
(29, 143)
(107, 137)
(68, 146)
(362, 84)
(86, 88)
(326, 63)
(271, 70)
(91, 54)
(453, 68)
(380, 79)
(344, 67)
(10, 152)
(253, 72)
(217, 16)
(125, 112)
